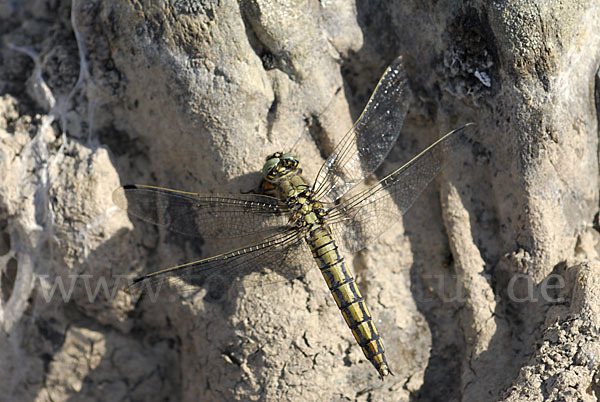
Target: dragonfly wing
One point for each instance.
(371, 138)
(360, 219)
(206, 215)
(284, 253)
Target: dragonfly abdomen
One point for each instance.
(348, 297)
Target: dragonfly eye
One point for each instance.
(269, 166)
(276, 155)
(279, 165)
(290, 160)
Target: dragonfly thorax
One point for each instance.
(306, 212)
(280, 165)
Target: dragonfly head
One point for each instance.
(279, 165)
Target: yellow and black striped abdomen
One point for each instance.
(348, 297)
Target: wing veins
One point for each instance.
(228, 262)
(212, 215)
(364, 216)
(371, 138)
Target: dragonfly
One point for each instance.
(293, 222)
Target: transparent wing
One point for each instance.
(368, 143)
(284, 253)
(206, 215)
(360, 219)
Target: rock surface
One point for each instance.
(487, 290)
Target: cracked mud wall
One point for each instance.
(486, 290)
